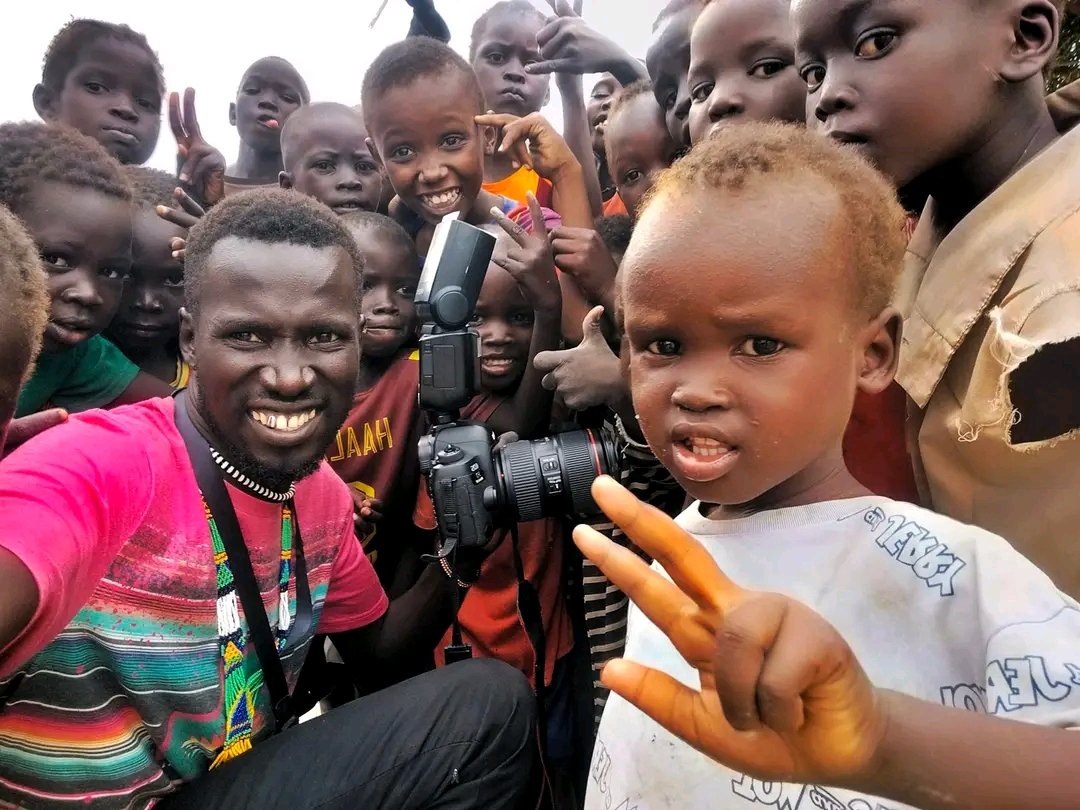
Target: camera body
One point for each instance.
(474, 487)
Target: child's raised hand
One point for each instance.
(588, 374)
(581, 253)
(532, 141)
(186, 215)
(782, 696)
(203, 167)
(568, 45)
(529, 259)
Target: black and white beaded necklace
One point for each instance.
(249, 486)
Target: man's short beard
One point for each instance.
(273, 478)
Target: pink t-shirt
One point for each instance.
(113, 693)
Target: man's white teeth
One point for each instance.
(442, 198)
(283, 422)
(702, 446)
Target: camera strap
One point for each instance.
(528, 605)
(212, 485)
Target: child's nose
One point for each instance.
(124, 108)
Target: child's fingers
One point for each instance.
(536, 213)
(550, 360)
(591, 323)
(191, 120)
(176, 123)
(657, 597)
(188, 204)
(497, 120)
(516, 232)
(177, 217)
(26, 427)
(686, 561)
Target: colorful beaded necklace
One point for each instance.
(241, 686)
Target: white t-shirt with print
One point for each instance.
(931, 607)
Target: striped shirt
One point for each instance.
(125, 703)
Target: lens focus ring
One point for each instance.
(523, 481)
(579, 469)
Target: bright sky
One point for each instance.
(207, 45)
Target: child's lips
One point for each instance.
(703, 460)
(497, 366)
(441, 202)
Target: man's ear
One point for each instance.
(187, 337)
(45, 102)
(1036, 25)
(232, 113)
(880, 339)
(284, 180)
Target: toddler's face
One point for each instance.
(390, 278)
(507, 44)
(334, 165)
(639, 147)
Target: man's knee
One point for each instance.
(511, 703)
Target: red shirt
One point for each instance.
(375, 452)
(489, 616)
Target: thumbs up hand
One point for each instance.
(588, 374)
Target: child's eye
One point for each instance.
(401, 153)
(632, 176)
(476, 320)
(96, 87)
(761, 346)
(114, 273)
(665, 347)
(250, 90)
(244, 337)
(325, 337)
(406, 290)
(701, 92)
(55, 261)
(174, 280)
(873, 44)
(669, 100)
(813, 75)
(453, 141)
(496, 58)
(323, 165)
(366, 167)
(290, 99)
(767, 68)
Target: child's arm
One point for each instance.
(532, 266)
(788, 701)
(144, 386)
(535, 143)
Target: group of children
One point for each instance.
(705, 262)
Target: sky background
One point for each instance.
(208, 45)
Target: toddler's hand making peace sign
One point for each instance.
(782, 696)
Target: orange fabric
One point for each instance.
(614, 206)
(517, 184)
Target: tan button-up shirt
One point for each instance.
(1003, 283)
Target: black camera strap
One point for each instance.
(212, 485)
(528, 605)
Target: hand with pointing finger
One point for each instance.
(568, 45)
(201, 167)
(782, 696)
(587, 375)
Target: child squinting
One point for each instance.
(325, 154)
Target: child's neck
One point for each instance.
(253, 165)
(957, 188)
(371, 371)
(827, 479)
(498, 167)
(158, 362)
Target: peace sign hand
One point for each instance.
(782, 696)
(202, 167)
(530, 260)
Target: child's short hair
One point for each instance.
(615, 232)
(32, 152)
(63, 52)
(25, 302)
(672, 8)
(412, 59)
(753, 153)
(270, 215)
(151, 187)
(382, 226)
(624, 95)
(302, 88)
(518, 8)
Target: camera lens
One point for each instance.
(553, 476)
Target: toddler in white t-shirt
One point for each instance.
(870, 648)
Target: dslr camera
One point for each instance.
(475, 487)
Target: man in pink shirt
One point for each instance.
(127, 676)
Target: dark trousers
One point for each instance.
(460, 737)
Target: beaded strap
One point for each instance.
(241, 687)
